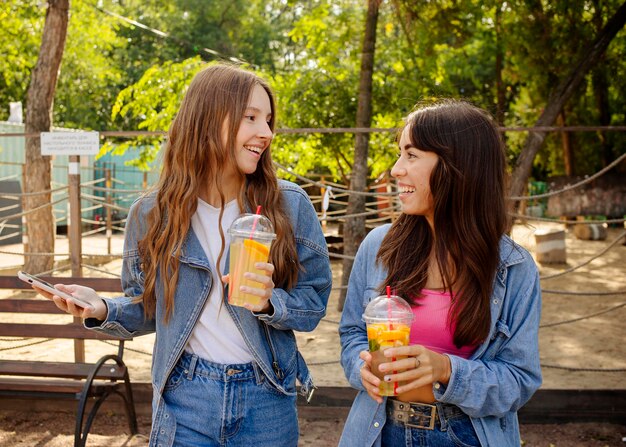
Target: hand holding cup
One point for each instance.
(250, 278)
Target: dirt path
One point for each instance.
(47, 430)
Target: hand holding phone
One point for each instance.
(44, 285)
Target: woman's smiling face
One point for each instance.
(255, 134)
(412, 171)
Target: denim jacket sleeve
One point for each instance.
(504, 372)
(352, 329)
(302, 307)
(125, 316)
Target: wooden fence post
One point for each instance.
(24, 227)
(109, 200)
(75, 236)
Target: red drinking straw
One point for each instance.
(256, 220)
(393, 359)
(389, 307)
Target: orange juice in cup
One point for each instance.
(251, 239)
(388, 321)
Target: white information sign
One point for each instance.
(70, 143)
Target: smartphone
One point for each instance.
(38, 282)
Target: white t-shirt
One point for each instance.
(215, 336)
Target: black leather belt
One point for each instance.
(419, 415)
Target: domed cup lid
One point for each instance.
(383, 309)
(253, 226)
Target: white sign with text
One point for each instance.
(70, 143)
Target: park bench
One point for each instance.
(86, 382)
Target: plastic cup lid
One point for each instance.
(255, 226)
(384, 309)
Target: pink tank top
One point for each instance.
(430, 327)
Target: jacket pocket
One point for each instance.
(134, 266)
(499, 338)
(284, 366)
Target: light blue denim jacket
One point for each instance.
(490, 386)
(270, 338)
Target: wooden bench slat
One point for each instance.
(53, 386)
(31, 306)
(71, 330)
(59, 369)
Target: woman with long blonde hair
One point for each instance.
(221, 374)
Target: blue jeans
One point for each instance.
(452, 429)
(228, 405)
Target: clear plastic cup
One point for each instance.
(251, 237)
(388, 320)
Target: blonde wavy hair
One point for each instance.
(195, 153)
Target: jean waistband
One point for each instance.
(421, 415)
(197, 366)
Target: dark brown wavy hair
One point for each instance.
(468, 189)
(194, 155)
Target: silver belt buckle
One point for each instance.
(431, 417)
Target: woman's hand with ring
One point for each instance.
(417, 366)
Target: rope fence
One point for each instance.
(332, 202)
(338, 191)
(385, 211)
(318, 363)
(575, 185)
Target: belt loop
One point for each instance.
(192, 366)
(442, 416)
(258, 375)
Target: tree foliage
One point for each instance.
(22, 25)
(127, 62)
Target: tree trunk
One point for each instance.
(601, 93)
(40, 225)
(500, 88)
(560, 96)
(568, 153)
(354, 227)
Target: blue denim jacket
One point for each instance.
(270, 338)
(491, 385)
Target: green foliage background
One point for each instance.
(127, 63)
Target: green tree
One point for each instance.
(153, 101)
(354, 227)
(22, 25)
(92, 74)
(565, 89)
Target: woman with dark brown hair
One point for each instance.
(221, 374)
(473, 357)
